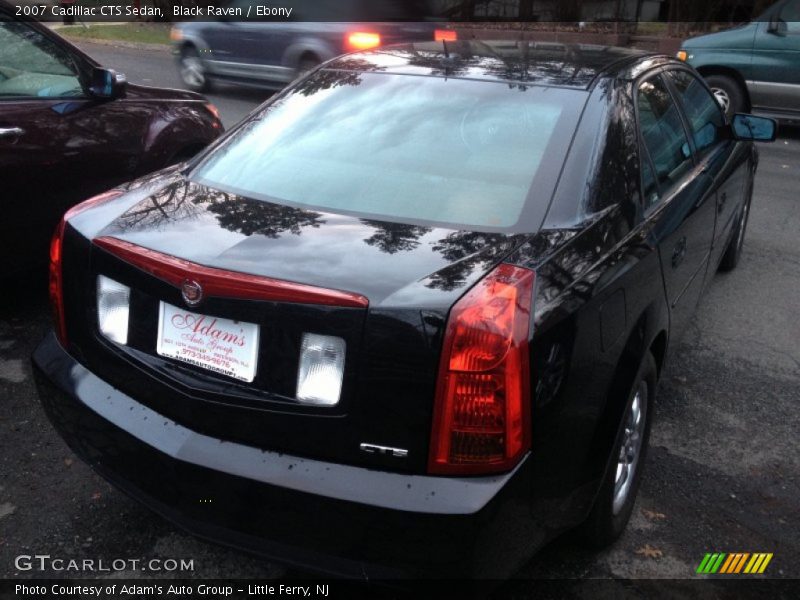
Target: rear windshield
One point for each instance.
(437, 151)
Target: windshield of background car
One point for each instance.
(450, 152)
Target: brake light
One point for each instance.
(223, 283)
(445, 35)
(56, 287)
(481, 420)
(362, 40)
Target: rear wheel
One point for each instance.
(614, 503)
(734, 250)
(193, 73)
(728, 93)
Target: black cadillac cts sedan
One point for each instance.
(409, 317)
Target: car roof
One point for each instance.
(555, 64)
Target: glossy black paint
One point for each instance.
(605, 295)
(400, 268)
(320, 521)
(512, 62)
(75, 147)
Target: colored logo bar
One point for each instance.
(734, 563)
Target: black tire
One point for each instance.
(192, 72)
(612, 510)
(729, 93)
(734, 250)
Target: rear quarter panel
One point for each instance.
(599, 305)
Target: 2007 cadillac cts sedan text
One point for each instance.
(409, 316)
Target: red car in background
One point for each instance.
(70, 128)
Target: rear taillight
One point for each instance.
(56, 286)
(362, 40)
(445, 35)
(481, 420)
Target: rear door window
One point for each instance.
(703, 112)
(662, 135)
(790, 14)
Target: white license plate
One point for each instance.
(219, 345)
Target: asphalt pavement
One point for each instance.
(158, 68)
(723, 473)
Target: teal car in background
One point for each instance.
(755, 67)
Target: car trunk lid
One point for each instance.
(384, 288)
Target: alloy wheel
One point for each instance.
(192, 71)
(723, 98)
(631, 449)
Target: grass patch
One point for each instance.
(142, 33)
(651, 28)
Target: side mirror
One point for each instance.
(107, 83)
(756, 129)
(777, 26)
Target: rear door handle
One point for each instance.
(679, 252)
(11, 132)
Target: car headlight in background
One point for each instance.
(319, 377)
(113, 307)
(682, 55)
(175, 34)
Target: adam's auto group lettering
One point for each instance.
(107, 591)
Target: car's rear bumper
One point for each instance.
(321, 516)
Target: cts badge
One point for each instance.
(192, 292)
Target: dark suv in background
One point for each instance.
(272, 53)
(754, 67)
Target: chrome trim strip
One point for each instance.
(254, 71)
(775, 85)
(385, 450)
